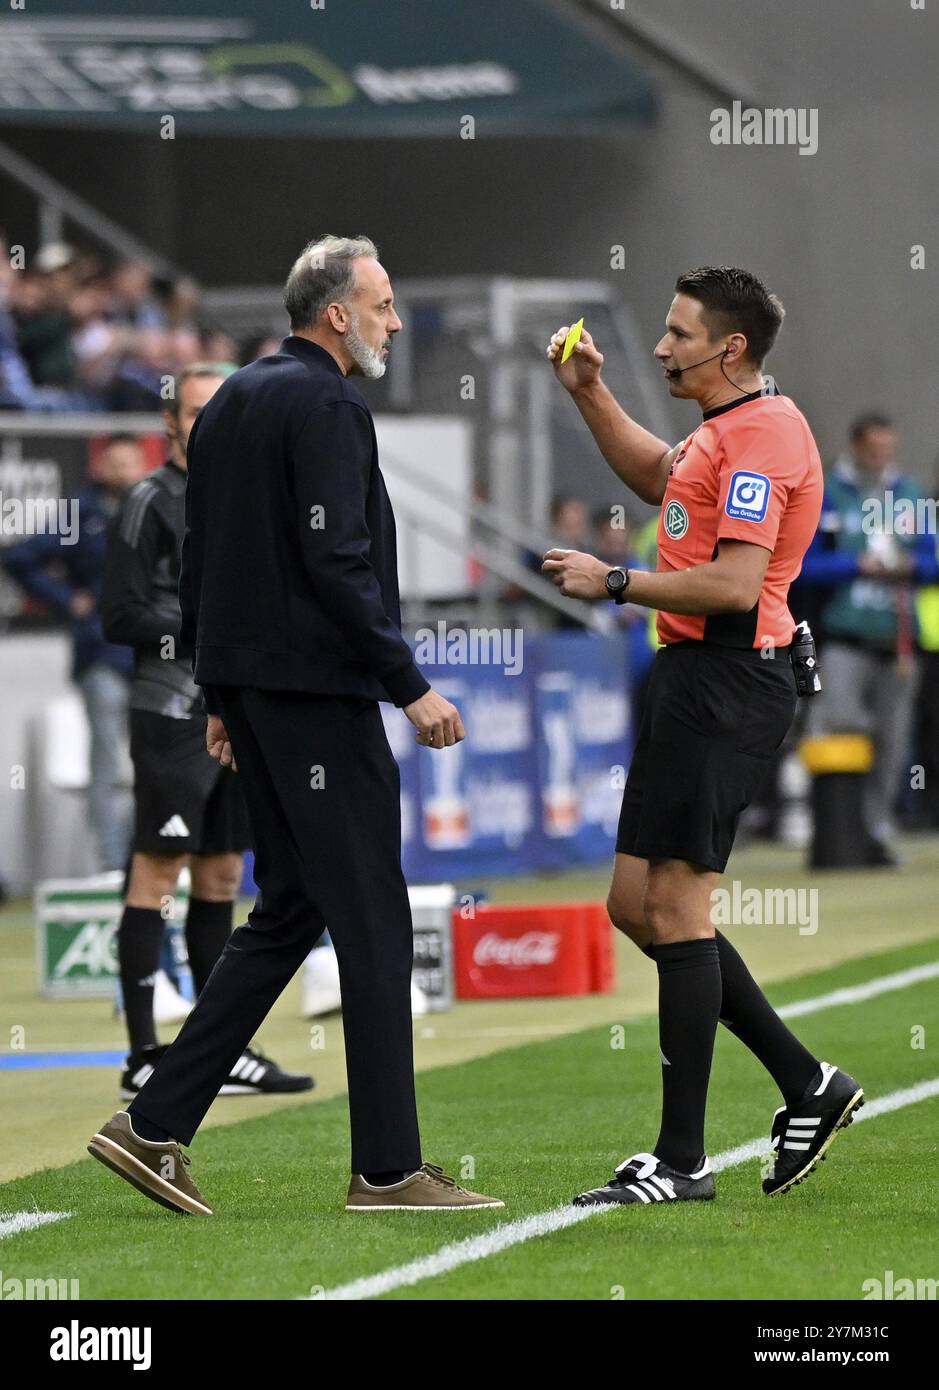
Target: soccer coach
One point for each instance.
(289, 594)
(740, 500)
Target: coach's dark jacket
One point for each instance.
(289, 567)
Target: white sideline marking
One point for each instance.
(856, 994)
(14, 1223)
(896, 1100)
(548, 1030)
(462, 1252)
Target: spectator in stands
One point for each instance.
(134, 302)
(45, 329)
(570, 530)
(21, 295)
(868, 557)
(180, 302)
(88, 311)
(76, 337)
(186, 346)
(258, 345)
(569, 527)
(142, 372)
(613, 536)
(68, 578)
(218, 346)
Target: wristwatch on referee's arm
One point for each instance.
(617, 583)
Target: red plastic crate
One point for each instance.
(517, 952)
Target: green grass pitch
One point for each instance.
(537, 1123)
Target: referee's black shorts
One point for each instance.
(185, 801)
(712, 719)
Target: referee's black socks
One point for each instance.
(750, 1016)
(139, 943)
(689, 1009)
(208, 927)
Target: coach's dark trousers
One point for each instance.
(322, 790)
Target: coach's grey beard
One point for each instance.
(368, 360)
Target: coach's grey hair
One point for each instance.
(322, 274)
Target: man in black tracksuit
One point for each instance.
(290, 596)
(188, 809)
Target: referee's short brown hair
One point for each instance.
(734, 301)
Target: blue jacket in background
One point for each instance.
(33, 563)
(853, 605)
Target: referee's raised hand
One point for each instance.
(438, 723)
(582, 368)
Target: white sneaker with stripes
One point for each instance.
(803, 1133)
(647, 1180)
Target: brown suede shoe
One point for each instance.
(429, 1189)
(156, 1170)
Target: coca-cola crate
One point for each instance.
(515, 952)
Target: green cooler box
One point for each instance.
(76, 921)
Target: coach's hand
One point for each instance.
(437, 722)
(577, 575)
(217, 742)
(582, 368)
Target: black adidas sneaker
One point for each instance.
(645, 1178)
(803, 1133)
(255, 1074)
(138, 1068)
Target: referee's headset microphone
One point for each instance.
(673, 373)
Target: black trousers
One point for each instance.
(926, 739)
(322, 790)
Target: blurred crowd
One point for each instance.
(77, 333)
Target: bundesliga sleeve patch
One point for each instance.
(747, 496)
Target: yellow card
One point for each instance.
(571, 341)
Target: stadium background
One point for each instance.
(605, 145)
